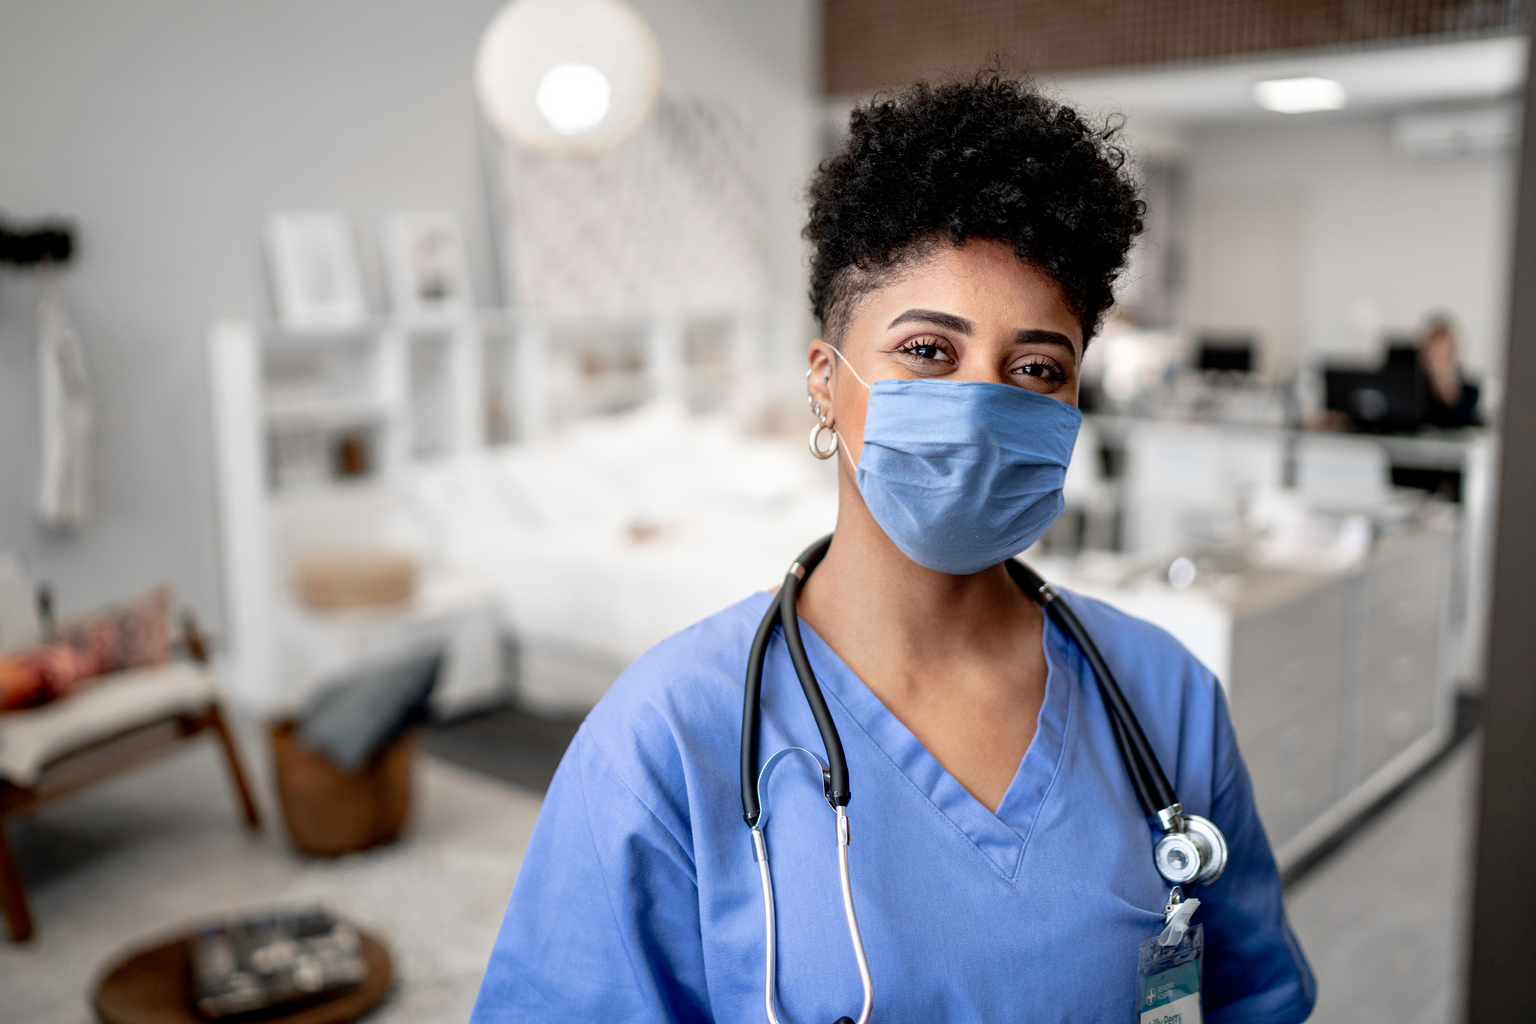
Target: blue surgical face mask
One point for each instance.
(962, 475)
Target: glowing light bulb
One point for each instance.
(573, 98)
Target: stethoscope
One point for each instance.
(1192, 850)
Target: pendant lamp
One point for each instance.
(567, 76)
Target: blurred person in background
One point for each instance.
(966, 241)
(1449, 400)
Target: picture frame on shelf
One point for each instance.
(426, 266)
(316, 279)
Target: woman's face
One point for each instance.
(974, 313)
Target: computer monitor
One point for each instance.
(1225, 355)
(1384, 401)
(1406, 388)
(1340, 385)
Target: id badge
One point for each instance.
(1168, 979)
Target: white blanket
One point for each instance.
(628, 529)
(596, 544)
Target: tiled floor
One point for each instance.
(1382, 922)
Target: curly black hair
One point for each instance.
(985, 158)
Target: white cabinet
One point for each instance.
(1398, 694)
(1289, 665)
(360, 401)
(1339, 683)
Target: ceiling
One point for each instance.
(1376, 81)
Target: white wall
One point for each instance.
(1379, 240)
(168, 129)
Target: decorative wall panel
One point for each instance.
(670, 217)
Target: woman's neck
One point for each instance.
(958, 660)
(875, 605)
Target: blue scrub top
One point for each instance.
(639, 899)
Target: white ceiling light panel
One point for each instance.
(1300, 95)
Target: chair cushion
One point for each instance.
(29, 740)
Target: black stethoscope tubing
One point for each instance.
(1153, 791)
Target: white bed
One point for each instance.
(593, 546)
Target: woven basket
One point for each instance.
(331, 812)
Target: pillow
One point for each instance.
(354, 718)
(41, 673)
(131, 635)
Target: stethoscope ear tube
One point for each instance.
(1192, 850)
(749, 716)
(1151, 786)
(1139, 781)
(782, 612)
(838, 793)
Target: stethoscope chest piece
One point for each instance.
(1197, 855)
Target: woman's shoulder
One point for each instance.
(1147, 659)
(708, 656)
(683, 694)
(1111, 626)
(1178, 700)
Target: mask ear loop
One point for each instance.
(850, 366)
(852, 469)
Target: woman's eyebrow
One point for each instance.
(1054, 338)
(948, 321)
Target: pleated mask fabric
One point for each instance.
(962, 475)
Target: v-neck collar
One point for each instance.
(1004, 836)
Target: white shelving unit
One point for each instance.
(321, 413)
(318, 416)
(365, 379)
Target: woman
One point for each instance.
(965, 242)
(1449, 400)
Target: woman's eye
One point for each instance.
(1043, 369)
(928, 350)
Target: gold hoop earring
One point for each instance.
(815, 437)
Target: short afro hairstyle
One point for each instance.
(986, 158)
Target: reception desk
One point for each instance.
(1340, 683)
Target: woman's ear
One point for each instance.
(817, 382)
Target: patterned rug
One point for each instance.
(126, 864)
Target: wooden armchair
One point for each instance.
(124, 720)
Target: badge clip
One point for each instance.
(1176, 915)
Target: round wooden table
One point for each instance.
(154, 986)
